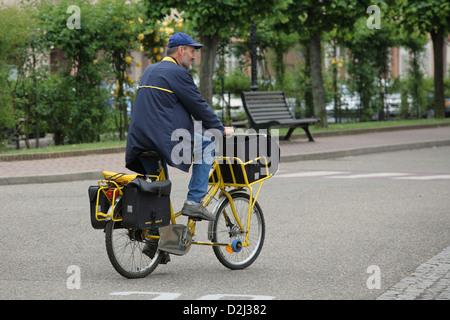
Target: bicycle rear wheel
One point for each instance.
(124, 248)
(226, 229)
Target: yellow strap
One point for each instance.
(153, 87)
(158, 88)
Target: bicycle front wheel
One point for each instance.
(124, 247)
(229, 227)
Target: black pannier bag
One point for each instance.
(146, 204)
(103, 206)
(248, 147)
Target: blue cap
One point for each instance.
(182, 39)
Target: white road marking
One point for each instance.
(366, 175)
(174, 296)
(370, 175)
(309, 174)
(432, 177)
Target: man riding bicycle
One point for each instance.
(166, 101)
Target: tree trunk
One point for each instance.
(209, 51)
(316, 79)
(309, 103)
(438, 47)
(279, 66)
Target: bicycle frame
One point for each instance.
(113, 183)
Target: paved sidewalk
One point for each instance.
(90, 166)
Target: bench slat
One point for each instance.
(267, 105)
(266, 118)
(266, 97)
(273, 114)
(262, 93)
(260, 100)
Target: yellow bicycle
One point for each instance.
(236, 236)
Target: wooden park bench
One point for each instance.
(266, 109)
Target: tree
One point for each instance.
(429, 17)
(369, 51)
(273, 34)
(214, 20)
(17, 57)
(85, 97)
(122, 19)
(131, 30)
(311, 20)
(98, 55)
(415, 42)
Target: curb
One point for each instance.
(60, 154)
(362, 151)
(51, 178)
(380, 129)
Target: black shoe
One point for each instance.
(150, 249)
(197, 211)
(165, 258)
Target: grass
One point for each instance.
(371, 124)
(282, 131)
(81, 146)
(377, 124)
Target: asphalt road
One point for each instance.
(331, 226)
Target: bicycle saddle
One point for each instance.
(150, 154)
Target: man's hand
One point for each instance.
(228, 132)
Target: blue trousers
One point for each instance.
(202, 160)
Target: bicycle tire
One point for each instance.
(226, 233)
(124, 249)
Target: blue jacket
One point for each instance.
(166, 99)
